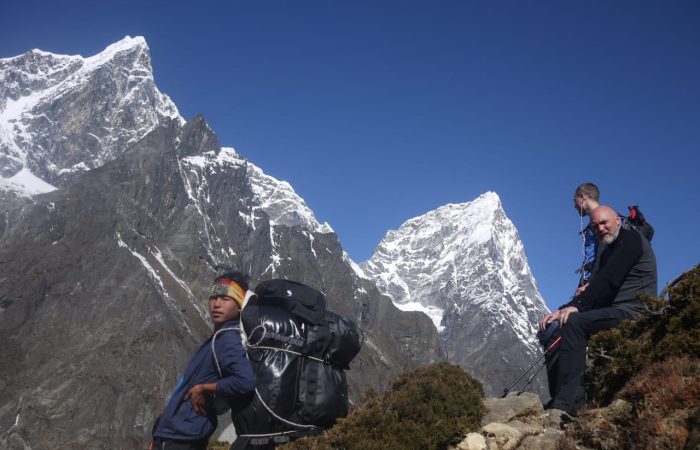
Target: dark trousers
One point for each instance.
(566, 367)
(171, 444)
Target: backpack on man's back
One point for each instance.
(636, 221)
(299, 351)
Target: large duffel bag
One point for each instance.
(299, 352)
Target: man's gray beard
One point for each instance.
(610, 238)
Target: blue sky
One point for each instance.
(379, 111)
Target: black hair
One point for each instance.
(239, 277)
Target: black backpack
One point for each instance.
(299, 352)
(636, 221)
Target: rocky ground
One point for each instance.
(515, 422)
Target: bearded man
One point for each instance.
(627, 267)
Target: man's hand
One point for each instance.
(199, 398)
(549, 318)
(561, 315)
(566, 312)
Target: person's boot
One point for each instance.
(557, 419)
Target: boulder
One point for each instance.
(545, 441)
(505, 436)
(473, 441)
(526, 408)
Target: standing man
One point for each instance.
(586, 199)
(627, 267)
(219, 371)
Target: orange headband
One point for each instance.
(229, 288)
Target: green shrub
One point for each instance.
(423, 410)
(672, 329)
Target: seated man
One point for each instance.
(626, 267)
(219, 370)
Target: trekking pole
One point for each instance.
(508, 389)
(543, 337)
(544, 363)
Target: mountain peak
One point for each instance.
(127, 45)
(489, 198)
(127, 42)
(470, 222)
(461, 262)
(439, 240)
(486, 204)
(130, 53)
(40, 89)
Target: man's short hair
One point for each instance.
(240, 278)
(590, 190)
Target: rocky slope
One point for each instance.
(103, 278)
(103, 283)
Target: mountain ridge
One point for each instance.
(58, 122)
(107, 270)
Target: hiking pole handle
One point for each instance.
(556, 341)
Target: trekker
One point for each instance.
(586, 199)
(218, 372)
(627, 267)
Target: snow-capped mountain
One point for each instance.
(464, 265)
(61, 115)
(103, 275)
(115, 214)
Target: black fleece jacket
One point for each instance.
(627, 267)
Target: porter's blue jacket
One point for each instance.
(179, 421)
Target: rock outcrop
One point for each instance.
(515, 423)
(103, 281)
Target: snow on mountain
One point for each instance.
(282, 207)
(25, 183)
(276, 198)
(279, 200)
(442, 249)
(41, 91)
(465, 267)
(62, 114)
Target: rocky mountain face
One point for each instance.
(103, 280)
(465, 266)
(62, 115)
(115, 215)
